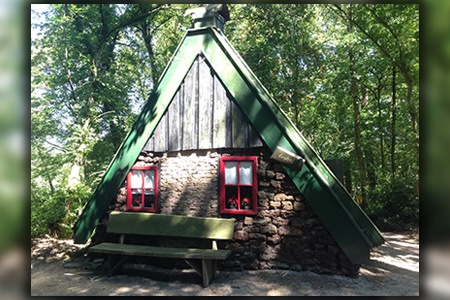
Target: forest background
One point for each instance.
(346, 74)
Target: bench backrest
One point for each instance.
(170, 225)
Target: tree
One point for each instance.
(88, 71)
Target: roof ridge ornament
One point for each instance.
(209, 15)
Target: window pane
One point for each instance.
(136, 179)
(148, 200)
(149, 179)
(246, 172)
(136, 200)
(231, 172)
(246, 197)
(231, 194)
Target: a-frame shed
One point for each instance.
(344, 219)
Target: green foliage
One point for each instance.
(55, 213)
(394, 206)
(47, 212)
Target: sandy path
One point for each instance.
(393, 271)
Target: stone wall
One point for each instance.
(285, 234)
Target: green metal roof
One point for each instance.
(344, 219)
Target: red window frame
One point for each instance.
(250, 189)
(130, 207)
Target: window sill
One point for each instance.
(238, 211)
(150, 210)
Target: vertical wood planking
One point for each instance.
(160, 135)
(239, 128)
(220, 114)
(202, 115)
(181, 114)
(189, 108)
(254, 140)
(205, 105)
(213, 96)
(149, 146)
(196, 102)
(175, 123)
(229, 121)
(167, 128)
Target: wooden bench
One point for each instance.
(203, 261)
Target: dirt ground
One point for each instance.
(59, 268)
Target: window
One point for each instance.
(142, 189)
(238, 185)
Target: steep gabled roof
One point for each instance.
(345, 220)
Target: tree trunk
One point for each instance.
(380, 126)
(356, 115)
(147, 38)
(412, 112)
(357, 132)
(393, 134)
(370, 167)
(47, 177)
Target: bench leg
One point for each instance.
(214, 268)
(194, 265)
(207, 269)
(115, 262)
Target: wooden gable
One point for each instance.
(202, 115)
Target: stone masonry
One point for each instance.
(285, 233)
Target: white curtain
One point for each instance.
(149, 180)
(246, 173)
(231, 172)
(136, 179)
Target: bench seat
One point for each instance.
(153, 251)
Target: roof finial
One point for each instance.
(209, 15)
